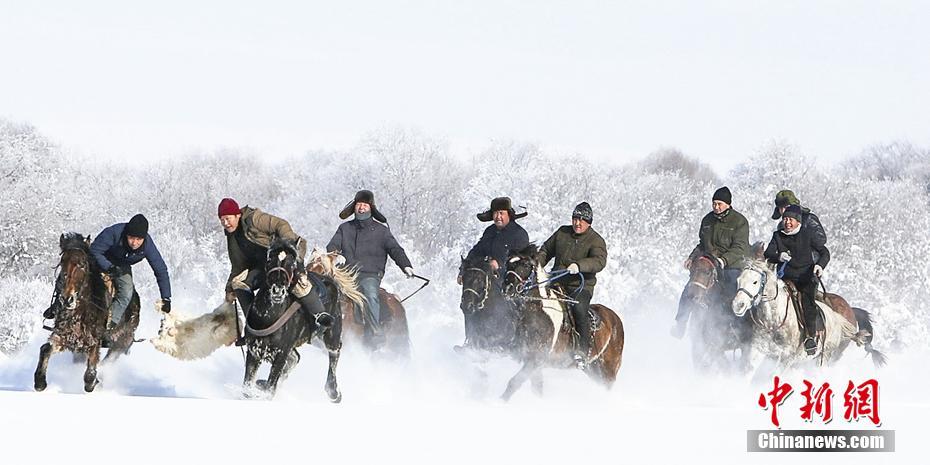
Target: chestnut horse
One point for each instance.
(81, 322)
(352, 302)
(543, 333)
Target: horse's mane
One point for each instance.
(344, 277)
(73, 240)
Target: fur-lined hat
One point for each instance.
(500, 203)
(364, 196)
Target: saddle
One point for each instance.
(568, 323)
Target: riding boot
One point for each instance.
(583, 328)
(810, 323)
(318, 318)
(245, 298)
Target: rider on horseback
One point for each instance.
(115, 250)
(578, 249)
(794, 245)
(366, 242)
(724, 235)
(249, 232)
(497, 241)
(810, 221)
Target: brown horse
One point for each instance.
(543, 333)
(715, 330)
(81, 322)
(352, 301)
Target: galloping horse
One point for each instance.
(491, 319)
(714, 328)
(273, 331)
(542, 330)
(352, 302)
(777, 332)
(81, 322)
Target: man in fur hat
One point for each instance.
(249, 232)
(366, 242)
(116, 249)
(581, 250)
(497, 241)
(724, 235)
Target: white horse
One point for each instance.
(776, 332)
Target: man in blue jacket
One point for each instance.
(366, 242)
(116, 249)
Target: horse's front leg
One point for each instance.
(45, 353)
(90, 374)
(251, 370)
(278, 366)
(332, 386)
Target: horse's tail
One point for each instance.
(865, 335)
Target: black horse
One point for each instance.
(274, 329)
(80, 324)
(490, 319)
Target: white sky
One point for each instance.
(609, 79)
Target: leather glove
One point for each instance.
(116, 271)
(166, 305)
(409, 272)
(573, 268)
(785, 257)
(818, 270)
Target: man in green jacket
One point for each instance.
(724, 235)
(249, 232)
(580, 250)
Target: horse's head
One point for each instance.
(755, 282)
(281, 269)
(703, 276)
(521, 270)
(75, 268)
(476, 282)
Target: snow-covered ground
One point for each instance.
(439, 407)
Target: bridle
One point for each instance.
(487, 287)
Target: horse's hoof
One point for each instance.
(89, 387)
(262, 384)
(40, 385)
(334, 395)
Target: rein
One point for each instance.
(758, 299)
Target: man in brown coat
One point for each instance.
(580, 250)
(249, 232)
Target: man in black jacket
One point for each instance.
(366, 242)
(497, 241)
(794, 246)
(809, 220)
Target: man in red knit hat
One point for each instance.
(249, 232)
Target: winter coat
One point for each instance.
(725, 236)
(367, 244)
(111, 249)
(498, 243)
(588, 250)
(260, 229)
(802, 247)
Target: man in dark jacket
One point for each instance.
(808, 219)
(366, 242)
(794, 245)
(502, 237)
(580, 250)
(116, 249)
(497, 241)
(724, 235)
(249, 232)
